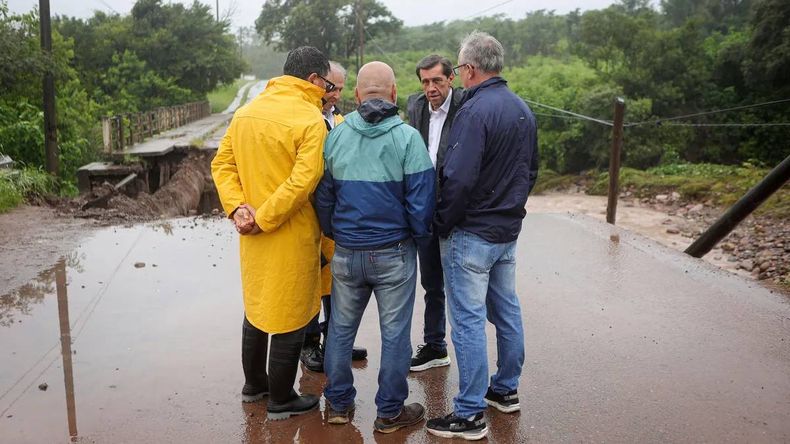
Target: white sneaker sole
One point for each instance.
(443, 362)
(469, 436)
(503, 408)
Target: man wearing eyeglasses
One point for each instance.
(267, 166)
(312, 355)
(432, 113)
(489, 169)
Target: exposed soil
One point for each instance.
(179, 197)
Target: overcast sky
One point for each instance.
(412, 12)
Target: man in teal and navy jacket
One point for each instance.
(376, 201)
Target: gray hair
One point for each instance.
(334, 66)
(483, 52)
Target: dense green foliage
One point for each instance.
(333, 26)
(160, 54)
(685, 58)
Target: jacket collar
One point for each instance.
(311, 92)
(376, 110)
(475, 89)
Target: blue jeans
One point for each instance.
(480, 280)
(432, 281)
(390, 273)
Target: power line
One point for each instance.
(384, 53)
(557, 116)
(705, 113)
(737, 125)
(487, 9)
(110, 7)
(560, 110)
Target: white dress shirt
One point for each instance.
(435, 126)
(329, 116)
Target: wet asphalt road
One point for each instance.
(626, 342)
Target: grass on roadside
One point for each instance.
(221, 97)
(18, 185)
(722, 185)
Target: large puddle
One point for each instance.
(135, 337)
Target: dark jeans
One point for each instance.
(432, 282)
(283, 360)
(315, 329)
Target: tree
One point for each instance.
(329, 25)
(186, 44)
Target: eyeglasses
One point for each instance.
(329, 85)
(455, 68)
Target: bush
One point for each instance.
(27, 183)
(10, 197)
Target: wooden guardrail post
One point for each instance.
(116, 135)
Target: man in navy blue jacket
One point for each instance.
(489, 169)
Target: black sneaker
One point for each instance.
(295, 406)
(428, 357)
(251, 393)
(312, 357)
(507, 403)
(451, 426)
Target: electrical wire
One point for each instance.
(705, 113)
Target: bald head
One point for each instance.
(376, 80)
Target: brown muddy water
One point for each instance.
(135, 337)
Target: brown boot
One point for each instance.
(409, 415)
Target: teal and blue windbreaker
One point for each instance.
(378, 184)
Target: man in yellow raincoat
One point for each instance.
(267, 166)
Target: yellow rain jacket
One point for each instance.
(328, 246)
(271, 157)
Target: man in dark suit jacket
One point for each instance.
(431, 113)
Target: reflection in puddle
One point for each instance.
(22, 300)
(65, 346)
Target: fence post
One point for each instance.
(614, 160)
(121, 139)
(106, 134)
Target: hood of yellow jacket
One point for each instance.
(311, 92)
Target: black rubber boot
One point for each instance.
(254, 344)
(296, 405)
(283, 363)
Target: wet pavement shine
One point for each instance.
(136, 335)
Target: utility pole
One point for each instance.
(614, 160)
(50, 124)
(360, 35)
(217, 11)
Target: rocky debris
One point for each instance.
(760, 245)
(139, 264)
(43, 386)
